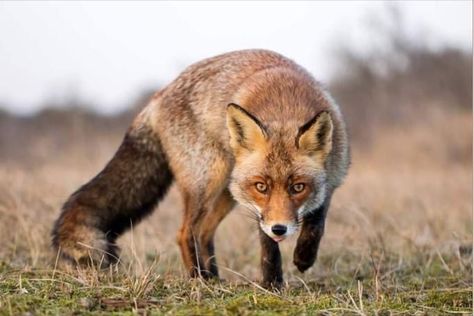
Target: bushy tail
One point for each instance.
(126, 190)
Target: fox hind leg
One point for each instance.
(206, 202)
(188, 236)
(195, 237)
(210, 222)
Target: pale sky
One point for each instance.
(107, 52)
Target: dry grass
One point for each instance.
(398, 238)
(399, 231)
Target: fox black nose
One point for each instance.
(279, 229)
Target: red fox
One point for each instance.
(249, 126)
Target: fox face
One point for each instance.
(279, 174)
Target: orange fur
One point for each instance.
(224, 125)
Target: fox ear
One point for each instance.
(315, 137)
(246, 131)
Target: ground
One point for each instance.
(398, 239)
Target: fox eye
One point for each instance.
(261, 187)
(297, 188)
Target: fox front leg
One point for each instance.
(312, 231)
(270, 262)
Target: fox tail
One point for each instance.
(125, 191)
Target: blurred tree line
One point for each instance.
(399, 85)
(402, 82)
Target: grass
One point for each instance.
(405, 289)
(398, 240)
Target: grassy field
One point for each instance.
(398, 238)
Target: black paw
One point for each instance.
(209, 275)
(304, 257)
(273, 285)
(303, 260)
(303, 265)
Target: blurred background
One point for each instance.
(70, 69)
(74, 74)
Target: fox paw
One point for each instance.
(272, 285)
(303, 260)
(302, 265)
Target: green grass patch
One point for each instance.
(434, 289)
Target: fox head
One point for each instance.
(279, 177)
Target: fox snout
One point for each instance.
(278, 231)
